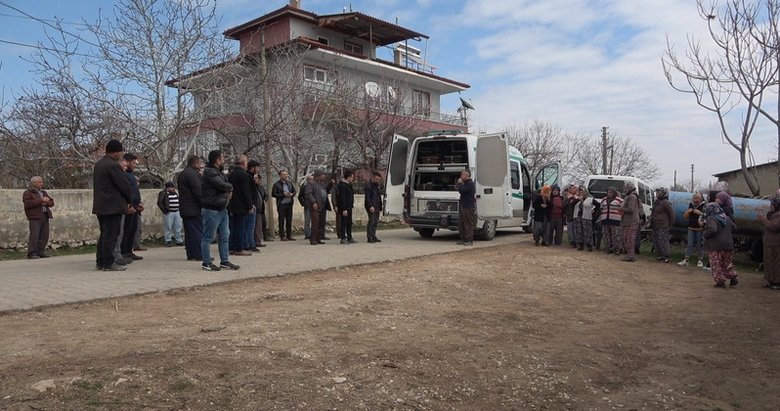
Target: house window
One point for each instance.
(353, 47)
(421, 103)
(323, 40)
(315, 74)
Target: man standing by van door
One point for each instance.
(467, 208)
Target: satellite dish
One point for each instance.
(373, 90)
(465, 104)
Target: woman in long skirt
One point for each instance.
(719, 243)
(771, 223)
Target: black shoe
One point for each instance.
(228, 264)
(260, 245)
(376, 240)
(344, 241)
(123, 261)
(320, 242)
(254, 250)
(733, 282)
(371, 240)
(115, 267)
(42, 255)
(468, 243)
(351, 241)
(134, 257)
(210, 267)
(719, 285)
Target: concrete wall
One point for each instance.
(75, 225)
(767, 180)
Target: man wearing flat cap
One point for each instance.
(111, 197)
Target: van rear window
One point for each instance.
(442, 152)
(598, 188)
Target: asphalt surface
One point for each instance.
(27, 284)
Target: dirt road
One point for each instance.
(507, 327)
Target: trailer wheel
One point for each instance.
(488, 230)
(426, 232)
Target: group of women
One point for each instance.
(618, 219)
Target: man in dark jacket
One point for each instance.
(260, 196)
(111, 197)
(316, 197)
(37, 207)
(373, 203)
(253, 218)
(216, 193)
(467, 208)
(241, 207)
(284, 193)
(306, 210)
(345, 202)
(132, 219)
(189, 207)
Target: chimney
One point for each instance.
(296, 4)
(397, 56)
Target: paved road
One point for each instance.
(26, 284)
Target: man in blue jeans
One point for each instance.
(216, 192)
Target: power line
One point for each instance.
(42, 19)
(39, 47)
(45, 22)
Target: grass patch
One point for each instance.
(21, 254)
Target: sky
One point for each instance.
(577, 64)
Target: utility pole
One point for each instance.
(693, 189)
(603, 150)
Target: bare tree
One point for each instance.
(624, 158)
(732, 80)
(541, 143)
(55, 129)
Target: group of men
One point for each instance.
(212, 206)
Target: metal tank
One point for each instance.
(746, 211)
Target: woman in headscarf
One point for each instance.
(541, 207)
(583, 219)
(556, 217)
(661, 221)
(720, 245)
(724, 200)
(611, 214)
(570, 201)
(771, 223)
(629, 223)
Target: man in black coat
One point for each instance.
(373, 204)
(345, 202)
(241, 207)
(110, 201)
(255, 236)
(133, 217)
(216, 192)
(284, 192)
(189, 207)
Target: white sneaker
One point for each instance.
(684, 263)
(700, 264)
